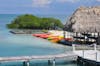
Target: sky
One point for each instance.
(43, 6)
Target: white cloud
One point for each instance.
(41, 3)
(72, 1)
(98, 0)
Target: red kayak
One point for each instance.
(68, 39)
(44, 36)
(37, 35)
(41, 35)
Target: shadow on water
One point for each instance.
(41, 63)
(45, 63)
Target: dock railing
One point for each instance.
(86, 47)
(90, 54)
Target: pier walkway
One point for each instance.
(51, 58)
(27, 58)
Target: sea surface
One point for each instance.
(27, 45)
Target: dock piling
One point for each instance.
(54, 62)
(49, 61)
(26, 63)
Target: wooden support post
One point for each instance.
(24, 63)
(49, 61)
(85, 37)
(94, 34)
(98, 34)
(76, 34)
(64, 34)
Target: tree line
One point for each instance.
(29, 21)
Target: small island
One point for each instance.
(29, 21)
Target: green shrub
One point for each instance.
(29, 21)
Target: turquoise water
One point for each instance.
(27, 45)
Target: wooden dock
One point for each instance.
(51, 58)
(27, 58)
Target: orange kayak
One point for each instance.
(55, 40)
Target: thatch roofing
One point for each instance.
(85, 19)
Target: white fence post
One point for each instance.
(95, 47)
(73, 45)
(96, 56)
(83, 54)
(28, 64)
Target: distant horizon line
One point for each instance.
(33, 14)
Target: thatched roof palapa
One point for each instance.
(85, 19)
